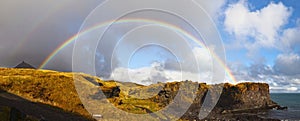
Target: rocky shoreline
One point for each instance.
(243, 102)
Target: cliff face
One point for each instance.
(234, 98)
(45, 87)
(245, 96)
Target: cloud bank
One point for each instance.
(259, 30)
(262, 26)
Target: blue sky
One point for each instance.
(154, 54)
(264, 33)
(267, 54)
(260, 39)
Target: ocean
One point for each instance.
(291, 100)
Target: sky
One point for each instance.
(259, 38)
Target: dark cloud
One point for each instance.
(30, 30)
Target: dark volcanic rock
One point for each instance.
(245, 96)
(242, 102)
(111, 92)
(232, 104)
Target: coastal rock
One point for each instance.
(234, 99)
(245, 96)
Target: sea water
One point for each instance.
(290, 100)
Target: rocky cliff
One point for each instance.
(230, 102)
(234, 103)
(234, 99)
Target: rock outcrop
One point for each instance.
(245, 96)
(229, 102)
(234, 99)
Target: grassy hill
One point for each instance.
(44, 86)
(57, 89)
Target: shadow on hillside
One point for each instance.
(153, 114)
(37, 110)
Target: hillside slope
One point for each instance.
(13, 107)
(43, 86)
(57, 89)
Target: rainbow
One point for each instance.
(163, 24)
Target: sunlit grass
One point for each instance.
(58, 89)
(49, 87)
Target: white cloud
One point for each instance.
(286, 89)
(296, 81)
(211, 7)
(145, 75)
(158, 72)
(278, 81)
(288, 64)
(203, 58)
(262, 25)
(150, 75)
(292, 89)
(290, 39)
(263, 28)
